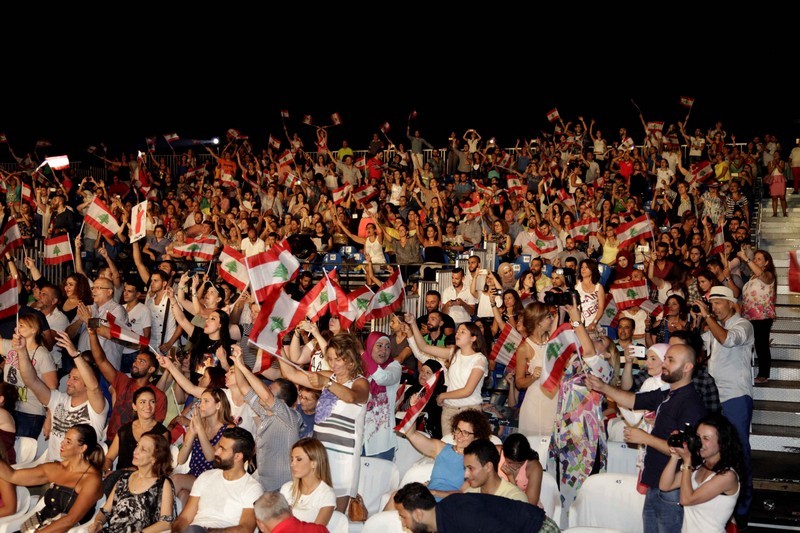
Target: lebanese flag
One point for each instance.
(284, 113)
(515, 186)
(629, 294)
(151, 144)
(202, 249)
(687, 101)
(671, 139)
(544, 245)
(340, 194)
(361, 163)
(236, 134)
(581, 230)
(57, 250)
(471, 209)
(100, 218)
(307, 119)
(9, 298)
(363, 194)
(274, 143)
(718, 246)
(27, 193)
(385, 127)
(271, 270)
(232, 268)
(59, 162)
(425, 395)
(505, 347)
(116, 331)
(319, 299)
(504, 161)
(553, 115)
(357, 304)
(702, 172)
(290, 180)
(286, 158)
(565, 197)
(483, 191)
(337, 119)
(632, 231)
(655, 126)
(171, 137)
(387, 300)
(652, 308)
(609, 317)
(196, 171)
(43, 143)
(562, 345)
(11, 238)
(281, 313)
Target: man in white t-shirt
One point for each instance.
(794, 156)
(223, 497)
(252, 244)
(139, 319)
(83, 402)
(104, 304)
(458, 300)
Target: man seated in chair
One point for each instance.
(419, 513)
(481, 460)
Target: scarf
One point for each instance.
(370, 366)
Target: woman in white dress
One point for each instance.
(309, 492)
(538, 410)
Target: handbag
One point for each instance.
(356, 510)
(33, 523)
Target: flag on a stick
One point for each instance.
(504, 350)
(202, 249)
(687, 101)
(386, 301)
(232, 268)
(117, 331)
(562, 345)
(631, 232)
(629, 293)
(553, 115)
(9, 298)
(277, 316)
(57, 250)
(100, 218)
(271, 270)
(424, 396)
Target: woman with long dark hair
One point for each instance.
(709, 475)
(592, 294)
(520, 465)
(758, 306)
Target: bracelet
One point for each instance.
(75, 356)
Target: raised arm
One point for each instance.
(28, 373)
(182, 381)
(96, 399)
(436, 351)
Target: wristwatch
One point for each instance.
(577, 323)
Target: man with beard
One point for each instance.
(420, 513)
(433, 302)
(458, 300)
(223, 497)
(473, 264)
(435, 335)
(676, 407)
(570, 250)
(540, 278)
(142, 370)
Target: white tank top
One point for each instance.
(711, 516)
(374, 250)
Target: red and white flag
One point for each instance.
(553, 115)
(138, 221)
(365, 193)
(59, 162)
(566, 198)
(307, 119)
(718, 246)
(202, 249)
(9, 298)
(687, 101)
(57, 250)
(581, 230)
(320, 298)
(361, 163)
(423, 397)
(151, 144)
(610, 314)
(702, 172)
(504, 350)
(560, 348)
(357, 304)
(339, 194)
(117, 331)
(629, 294)
(471, 209)
(236, 135)
(286, 158)
(271, 270)
(232, 268)
(284, 113)
(11, 239)
(274, 143)
(3, 138)
(27, 194)
(633, 231)
(337, 119)
(387, 300)
(545, 246)
(99, 216)
(281, 313)
(171, 137)
(516, 187)
(43, 143)
(197, 172)
(655, 127)
(385, 127)
(652, 308)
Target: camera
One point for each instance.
(696, 308)
(685, 435)
(560, 299)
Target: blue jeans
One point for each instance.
(662, 511)
(28, 425)
(739, 411)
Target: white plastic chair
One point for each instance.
(615, 429)
(608, 501)
(622, 459)
(550, 497)
(405, 456)
(376, 478)
(23, 506)
(420, 472)
(179, 469)
(541, 445)
(383, 522)
(338, 523)
(25, 449)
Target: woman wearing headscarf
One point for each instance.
(623, 268)
(433, 411)
(383, 373)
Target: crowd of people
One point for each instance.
(642, 251)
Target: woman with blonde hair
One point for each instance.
(310, 493)
(538, 410)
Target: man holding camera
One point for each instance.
(729, 344)
(676, 407)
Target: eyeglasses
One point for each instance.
(99, 287)
(463, 433)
